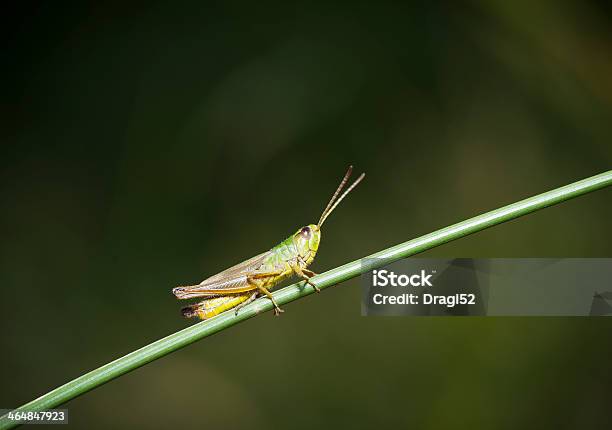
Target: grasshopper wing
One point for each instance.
(250, 265)
(230, 281)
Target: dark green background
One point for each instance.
(147, 146)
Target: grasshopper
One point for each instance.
(241, 284)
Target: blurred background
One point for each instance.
(150, 145)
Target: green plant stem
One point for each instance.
(182, 338)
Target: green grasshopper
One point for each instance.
(241, 284)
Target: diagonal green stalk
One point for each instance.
(182, 338)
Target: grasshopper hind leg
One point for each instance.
(246, 302)
(277, 309)
(254, 280)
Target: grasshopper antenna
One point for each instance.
(333, 203)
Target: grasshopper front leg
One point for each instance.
(306, 274)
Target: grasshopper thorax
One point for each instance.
(306, 241)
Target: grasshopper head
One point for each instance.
(306, 241)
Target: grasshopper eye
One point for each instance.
(305, 232)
